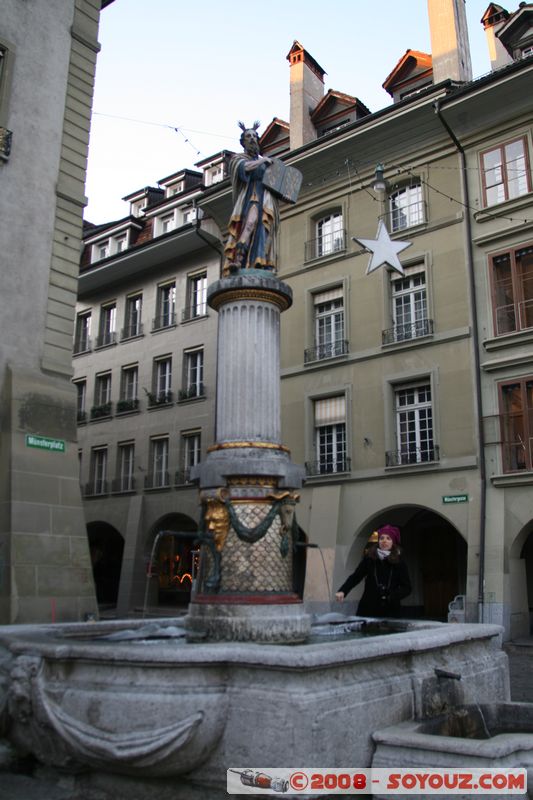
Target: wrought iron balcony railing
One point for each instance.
(95, 488)
(125, 483)
(329, 350)
(412, 455)
(106, 338)
(163, 321)
(410, 330)
(182, 477)
(82, 344)
(123, 406)
(157, 480)
(192, 392)
(130, 331)
(328, 467)
(159, 399)
(326, 245)
(194, 311)
(102, 410)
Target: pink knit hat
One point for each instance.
(392, 531)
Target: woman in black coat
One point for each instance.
(386, 577)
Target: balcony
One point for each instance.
(328, 467)
(327, 245)
(408, 331)
(105, 339)
(194, 312)
(95, 488)
(412, 455)
(101, 411)
(323, 351)
(193, 392)
(182, 477)
(156, 399)
(126, 483)
(131, 331)
(124, 406)
(82, 344)
(163, 321)
(157, 480)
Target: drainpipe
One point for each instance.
(475, 338)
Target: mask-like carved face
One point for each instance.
(287, 511)
(217, 522)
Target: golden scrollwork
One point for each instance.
(249, 480)
(261, 295)
(261, 445)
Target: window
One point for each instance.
(189, 215)
(409, 309)
(194, 375)
(81, 401)
(125, 467)
(516, 400)
(527, 51)
(414, 425)
(191, 449)
(158, 476)
(133, 318)
(406, 207)
(102, 250)
(82, 340)
(512, 290)
(505, 172)
(166, 306)
(108, 320)
(121, 243)
(98, 482)
(329, 234)
(129, 389)
(328, 311)
(196, 296)
(162, 381)
(330, 436)
(166, 223)
(102, 396)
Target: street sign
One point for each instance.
(45, 443)
(455, 498)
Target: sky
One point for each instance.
(173, 78)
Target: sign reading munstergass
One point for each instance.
(45, 443)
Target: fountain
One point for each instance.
(135, 709)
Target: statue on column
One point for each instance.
(258, 184)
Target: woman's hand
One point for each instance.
(339, 596)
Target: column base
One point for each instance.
(280, 623)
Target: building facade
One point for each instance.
(47, 63)
(144, 372)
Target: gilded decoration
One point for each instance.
(259, 295)
(232, 445)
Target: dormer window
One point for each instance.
(167, 223)
(109, 247)
(176, 188)
(102, 250)
(121, 242)
(214, 174)
(136, 209)
(527, 51)
(189, 214)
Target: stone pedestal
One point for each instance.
(248, 483)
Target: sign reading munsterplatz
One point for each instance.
(45, 443)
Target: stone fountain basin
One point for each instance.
(165, 707)
(498, 734)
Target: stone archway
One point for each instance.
(436, 555)
(106, 546)
(173, 561)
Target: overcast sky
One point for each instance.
(174, 76)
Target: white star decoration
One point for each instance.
(384, 250)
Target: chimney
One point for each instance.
(450, 49)
(492, 20)
(307, 89)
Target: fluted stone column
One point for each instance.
(248, 483)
